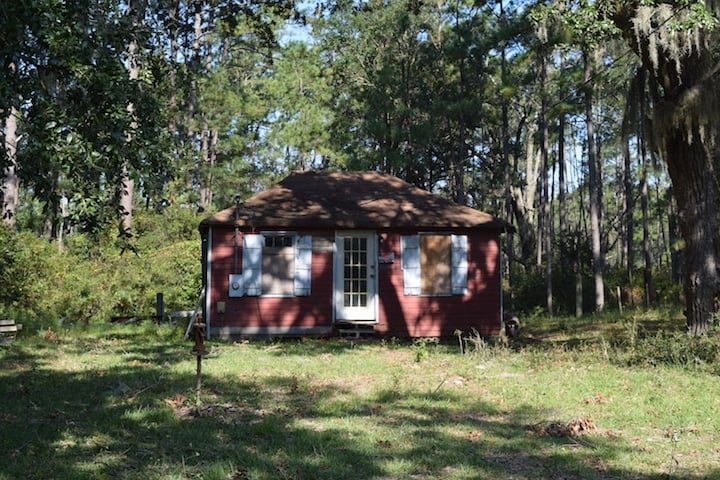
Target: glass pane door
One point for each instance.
(355, 282)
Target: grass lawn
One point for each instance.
(120, 403)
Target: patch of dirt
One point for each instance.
(227, 413)
(576, 427)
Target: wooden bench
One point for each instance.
(8, 329)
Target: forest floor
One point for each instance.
(570, 399)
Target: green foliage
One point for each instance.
(423, 347)
(90, 280)
(676, 349)
(23, 269)
(529, 291)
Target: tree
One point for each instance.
(594, 167)
(300, 96)
(409, 82)
(11, 183)
(126, 186)
(677, 45)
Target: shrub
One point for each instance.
(23, 274)
(92, 278)
(677, 349)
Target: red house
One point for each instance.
(321, 252)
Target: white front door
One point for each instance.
(355, 285)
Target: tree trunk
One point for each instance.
(524, 200)
(209, 156)
(647, 257)
(173, 34)
(126, 187)
(507, 171)
(684, 65)
(562, 208)
(696, 191)
(545, 230)
(628, 196)
(628, 206)
(11, 182)
(677, 255)
(595, 189)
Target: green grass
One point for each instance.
(120, 403)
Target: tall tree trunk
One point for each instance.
(647, 257)
(457, 169)
(677, 255)
(595, 189)
(126, 187)
(545, 222)
(209, 156)
(524, 199)
(195, 65)
(684, 65)
(577, 264)
(562, 207)
(11, 182)
(209, 135)
(696, 191)
(173, 34)
(507, 171)
(628, 205)
(634, 98)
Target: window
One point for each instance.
(276, 263)
(434, 264)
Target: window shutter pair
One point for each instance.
(410, 254)
(252, 264)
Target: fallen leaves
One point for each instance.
(576, 427)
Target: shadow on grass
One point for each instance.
(134, 419)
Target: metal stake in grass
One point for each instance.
(200, 350)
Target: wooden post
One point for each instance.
(200, 350)
(159, 307)
(198, 380)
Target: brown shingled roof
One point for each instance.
(350, 200)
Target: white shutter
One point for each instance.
(410, 254)
(252, 263)
(459, 264)
(303, 264)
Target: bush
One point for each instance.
(92, 279)
(677, 349)
(23, 275)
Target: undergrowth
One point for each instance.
(676, 349)
(84, 280)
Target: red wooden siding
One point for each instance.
(398, 314)
(292, 312)
(429, 316)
